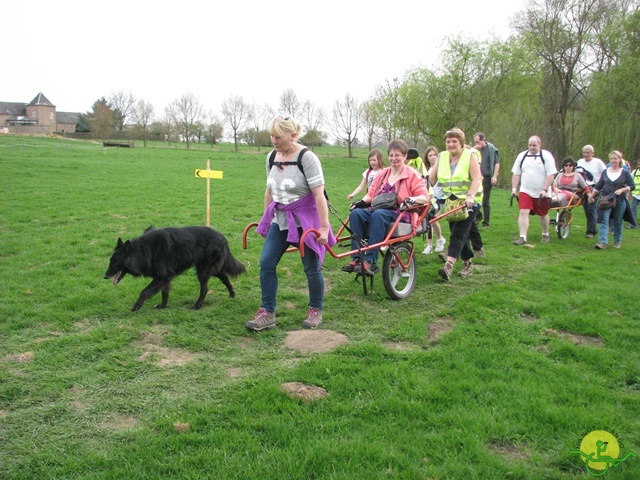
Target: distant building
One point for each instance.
(36, 117)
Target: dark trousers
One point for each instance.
(591, 212)
(459, 242)
(486, 197)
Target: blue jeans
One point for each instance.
(275, 245)
(616, 214)
(377, 222)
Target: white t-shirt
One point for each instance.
(533, 172)
(371, 176)
(595, 167)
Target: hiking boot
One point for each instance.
(351, 267)
(485, 225)
(314, 318)
(261, 320)
(467, 270)
(544, 239)
(369, 268)
(440, 244)
(601, 246)
(479, 253)
(616, 245)
(442, 257)
(428, 250)
(445, 272)
(520, 241)
(589, 235)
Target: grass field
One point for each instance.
(498, 376)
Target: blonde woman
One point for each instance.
(293, 202)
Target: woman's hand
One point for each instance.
(323, 236)
(470, 201)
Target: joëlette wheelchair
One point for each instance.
(399, 266)
(564, 213)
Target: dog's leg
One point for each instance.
(225, 280)
(204, 288)
(151, 289)
(165, 294)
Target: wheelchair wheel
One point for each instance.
(563, 225)
(399, 281)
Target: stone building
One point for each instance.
(36, 117)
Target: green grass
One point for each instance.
(507, 391)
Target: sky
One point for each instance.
(76, 52)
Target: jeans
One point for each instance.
(377, 221)
(616, 214)
(486, 194)
(591, 213)
(274, 247)
(459, 242)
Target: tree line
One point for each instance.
(570, 73)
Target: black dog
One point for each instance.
(164, 253)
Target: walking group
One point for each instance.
(459, 179)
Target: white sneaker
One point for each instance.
(440, 244)
(428, 250)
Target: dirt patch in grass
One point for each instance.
(19, 357)
(314, 341)
(181, 427)
(575, 338)
(235, 372)
(437, 329)
(151, 343)
(119, 423)
(399, 346)
(307, 393)
(507, 450)
(3, 413)
(528, 318)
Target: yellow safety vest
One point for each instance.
(458, 182)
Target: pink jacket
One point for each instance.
(409, 184)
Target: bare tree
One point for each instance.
(369, 117)
(236, 114)
(215, 130)
(123, 104)
(185, 113)
(346, 121)
(142, 116)
(313, 119)
(260, 115)
(290, 105)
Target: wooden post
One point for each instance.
(208, 224)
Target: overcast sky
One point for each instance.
(76, 52)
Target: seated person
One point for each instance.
(407, 184)
(566, 183)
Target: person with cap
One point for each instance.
(415, 162)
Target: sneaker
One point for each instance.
(442, 257)
(369, 268)
(440, 244)
(428, 250)
(479, 253)
(601, 246)
(616, 245)
(445, 272)
(589, 235)
(467, 269)
(520, 241)
(351, 267)
(544, 239)
(261, 320)
(314, 318)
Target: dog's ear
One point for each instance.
(119, 244)
(151, 227)
(126, 246)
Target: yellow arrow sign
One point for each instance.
(202, 173)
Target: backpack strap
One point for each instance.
(534, 156)
(298, 162)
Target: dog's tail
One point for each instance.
(232, 266)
